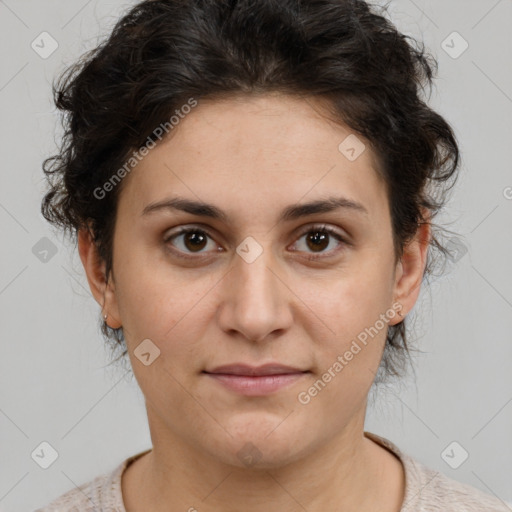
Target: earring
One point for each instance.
(400, 311)
(105, 317)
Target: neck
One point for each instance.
(349, 470)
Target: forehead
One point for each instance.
(255, 150)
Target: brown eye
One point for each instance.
(189, 241)
(194, 240)
(318, 239)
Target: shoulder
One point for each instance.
(101, 493)
(432, 491)
(427, 490)
(97, 494)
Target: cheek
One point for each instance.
(347, 304)
(159, 305)
(170, 313)
(347, 358)
(349, 332)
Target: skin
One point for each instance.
(252, 156)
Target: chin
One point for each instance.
(262, 442)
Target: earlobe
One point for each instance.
(94, 266)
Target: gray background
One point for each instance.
(55, 385)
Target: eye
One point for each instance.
(189, 240)
(193, 240)
(318, 239)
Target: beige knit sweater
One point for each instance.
(426, 490)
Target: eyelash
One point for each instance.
(320, 228)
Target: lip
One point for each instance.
(255, 380)
(248, 370)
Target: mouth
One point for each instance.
(255, 381)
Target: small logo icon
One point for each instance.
(44, 250)
(44, 455)
(44, 45)
(146, 352)
(457, 249)
(249, 454)
(351, 147)
(454, 45)
(454, 455)
(249, 249)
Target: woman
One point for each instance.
(252, 185)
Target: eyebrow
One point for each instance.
(291, 212)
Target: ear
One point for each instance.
(103, 292)
(411, 267)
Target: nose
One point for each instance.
(255, 300)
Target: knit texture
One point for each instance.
(426, 490)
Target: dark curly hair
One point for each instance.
(163, 52)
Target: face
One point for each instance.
(312, 290)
